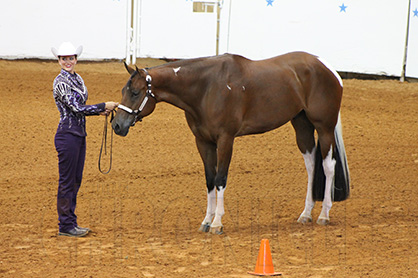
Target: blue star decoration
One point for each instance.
(342, 8)
(416, 12)
(270, 2)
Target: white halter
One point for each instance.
(144, 101)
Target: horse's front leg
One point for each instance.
(207, 151)
(224, 154)
(210, 212)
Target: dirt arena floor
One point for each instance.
(146, 212)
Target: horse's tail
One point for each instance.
(341, 184)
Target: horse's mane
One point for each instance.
(201, 61)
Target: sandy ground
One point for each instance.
(146, 212)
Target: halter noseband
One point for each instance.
(148, 94)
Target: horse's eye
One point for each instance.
(135, 92)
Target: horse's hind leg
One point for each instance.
(326, 140)
(306, 142)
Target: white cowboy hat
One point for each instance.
(67, 49)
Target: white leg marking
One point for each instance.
(306, 216)
(329, 170)
(219, 209)
(210, 210)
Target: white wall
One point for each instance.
(412, 57)
(170, 28)
(369, 37)
(28, 28)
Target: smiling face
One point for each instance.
(68, 63)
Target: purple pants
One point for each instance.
(71, 156)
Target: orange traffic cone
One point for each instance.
(264, 266)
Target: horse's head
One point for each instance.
(137, 102)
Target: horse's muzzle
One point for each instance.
(120, 129)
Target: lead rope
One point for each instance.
(104, 143)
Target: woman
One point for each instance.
(70, 96)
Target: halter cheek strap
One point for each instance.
(148, 94)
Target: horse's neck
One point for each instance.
(174, 87)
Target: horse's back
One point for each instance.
(255, 96)
(279, 88)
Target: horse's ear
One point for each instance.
(137, 69)
(128, 68)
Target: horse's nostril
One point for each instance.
(116, 128)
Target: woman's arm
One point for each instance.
(67, 96)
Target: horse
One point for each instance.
(227, 96)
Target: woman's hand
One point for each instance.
(109, 106)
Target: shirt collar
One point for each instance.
(68, 74)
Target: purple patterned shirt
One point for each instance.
(70, 96)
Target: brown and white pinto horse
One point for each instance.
(228, 96)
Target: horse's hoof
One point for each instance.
(204, 228)
(305, 219)
(322, 221)
(217, 230)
